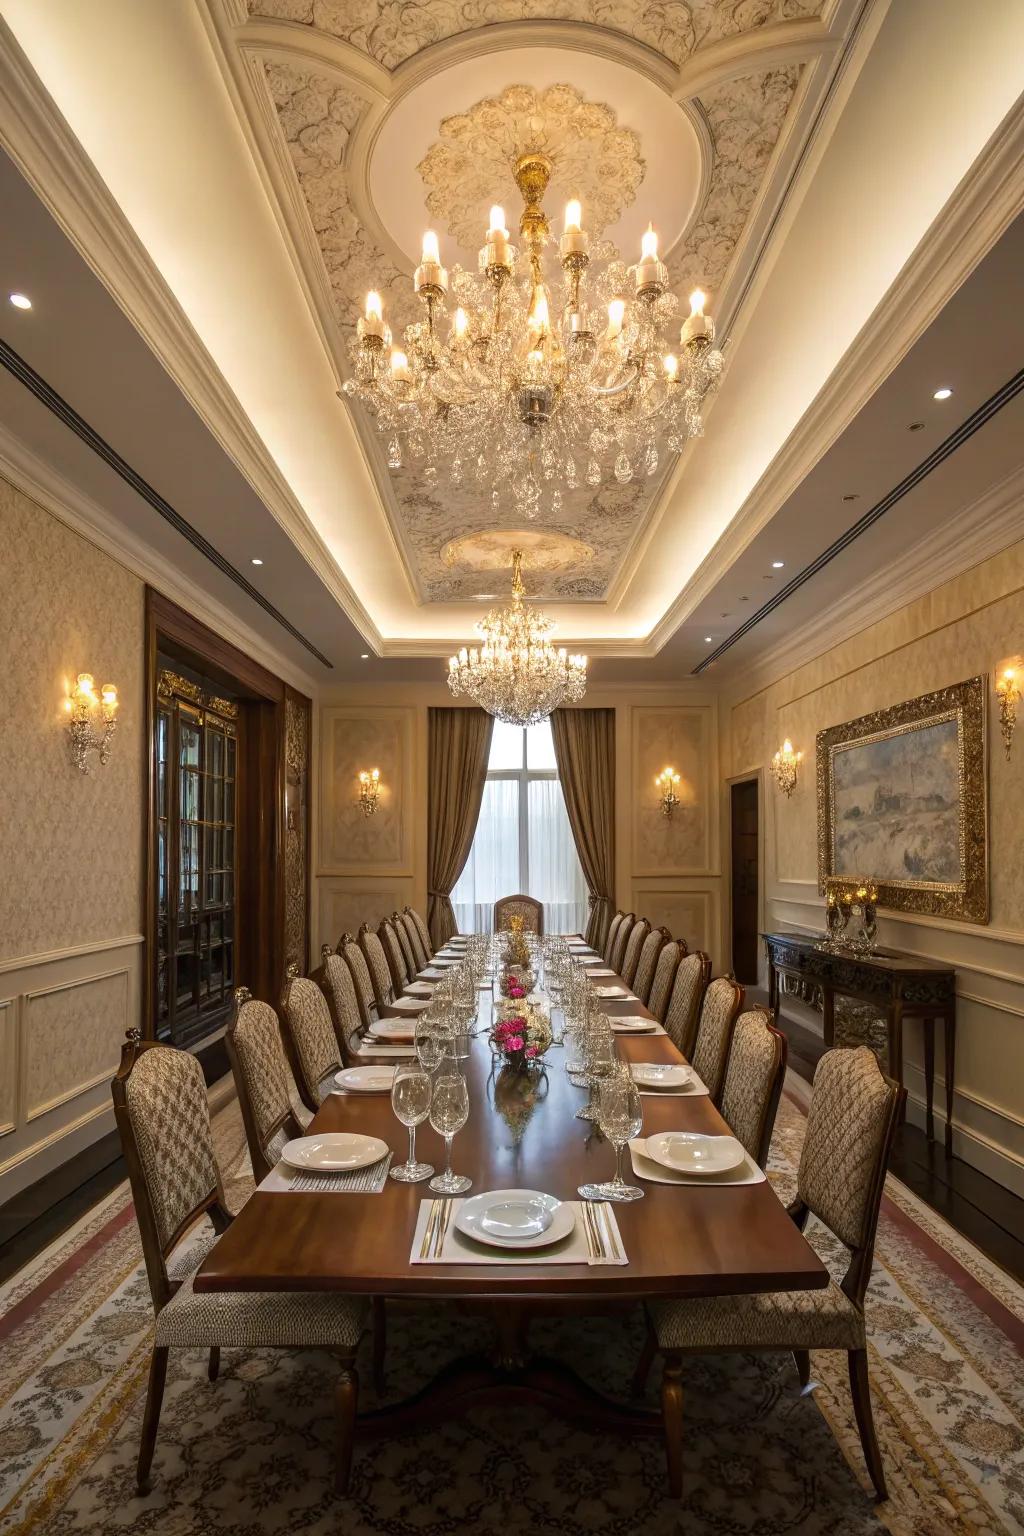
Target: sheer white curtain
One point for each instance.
(556, 877)
(492, 869)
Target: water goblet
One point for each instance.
(430, 1043)
(410, 1100)
(449, 1111)
(620, 1117)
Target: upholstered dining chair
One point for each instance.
(377, 964)
(421, 948)
(664, 978)
(853, 1112)
(618, 953)
(426, 947)
(638, 936)
(309, 1037)
(334, 979)
(723, 999)
(753, 1082)
(412, 965)
(609, 939)
(354, 958)
(683, 1009)
(163, 1117)
(527, 907)
(394, 955)
(647, 962)
(262, 1081)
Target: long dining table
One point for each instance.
(680, 1240)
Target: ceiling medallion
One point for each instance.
(516, 674)
(526, 394)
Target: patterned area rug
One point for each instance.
(252, 1452)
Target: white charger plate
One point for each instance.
(656, 1074)
(503, 1203)
(365, 1079)
(402, 1030)
(333, 1152)
(692, 1152)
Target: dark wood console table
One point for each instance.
(901, 986)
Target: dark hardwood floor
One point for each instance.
(984, 1211)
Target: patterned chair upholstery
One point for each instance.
(683, 1009)
(611, 935)
(719, 1011)
(420, 924)
(394, 956)
(664, 977)
(262, 1081)
(618, 953)
(163, 1116)
(530, 910)
(421, 948)
(647, 962)
(309, 1033)
(334, 979)
(377, 964)
(412, 965)
(853, 1113)
(354, 958)
(753, 1082)
(638, 936)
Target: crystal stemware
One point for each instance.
(410, 1100)
(449, 1111)
(620, 1117)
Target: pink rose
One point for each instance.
(515, 1043)
(531, 1050)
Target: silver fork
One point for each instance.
(595, 1227)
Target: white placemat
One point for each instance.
(694, 1089)
(378, 1048)
(362, 1181)
(655, 1173)
(574, 1249)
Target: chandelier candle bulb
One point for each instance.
(430, 277)
(401, 373)
(574, 240)
(616, 315)
(651, 274)
(371, 326)
(460, 324)
(498, 252)
(671, 366)
(698, 330)
(83, 706)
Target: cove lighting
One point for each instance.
(21, 301)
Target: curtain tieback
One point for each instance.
(439, 893)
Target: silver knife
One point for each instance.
(428, 1230)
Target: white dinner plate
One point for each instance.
(333, 1152)
(432, 973)
(597, 969)
(514, 1218)
(410, 1005)
(365, 1079)
(656, 1074)
(691, 1152)
(393, 1029)
(612, 991)
(633, 1025)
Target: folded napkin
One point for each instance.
(693, 1089)
(449, 1246)
(632, 1024)
(283, 1179)
(647, 1169)
(623, 994)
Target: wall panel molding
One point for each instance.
(50, 956)
(9, 1065)
(71, 1031)
(353, 738)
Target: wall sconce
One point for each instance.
(667, 782)
(369, 791)
(784, 767)
(85, 707)
(1009, 693)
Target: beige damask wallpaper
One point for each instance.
(70, 844)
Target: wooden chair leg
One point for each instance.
(803, 1365)
(346, 1397)
(672, 1414)
(151, 1417)
(213, 1369)
(860, 1389)
(643, 1365)
(380, 1337)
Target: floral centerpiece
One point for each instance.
(520, 1037)
(516, 984)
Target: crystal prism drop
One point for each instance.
(593, 473)
(556, 502)
(394, 454)
(651, 459)
(623, 469)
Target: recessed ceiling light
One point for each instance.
(365, 656)
(777, 565)
(21, 301)
(256, 560)
(916, 426)
(707, 639)
(943, 393)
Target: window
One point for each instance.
(523, 840)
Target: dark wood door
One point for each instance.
(744, 880)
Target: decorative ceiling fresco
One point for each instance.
(458, 162)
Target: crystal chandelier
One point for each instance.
(533, 392)
(516, 674)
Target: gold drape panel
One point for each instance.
(585, 753)
(458, 745)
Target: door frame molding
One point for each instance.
(756, 776)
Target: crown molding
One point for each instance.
(985, 528)
(48, 155)
(974, 218)
(58, 496)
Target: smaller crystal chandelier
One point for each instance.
(516, 674)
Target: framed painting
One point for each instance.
(902, 804)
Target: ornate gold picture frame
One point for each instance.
(902, 804)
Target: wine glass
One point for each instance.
(410, 1100)
(598, 1059)
(449, 1111)
(620, 1116)
(430, 1043)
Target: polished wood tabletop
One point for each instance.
(680, 1240)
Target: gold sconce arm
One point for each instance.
(369, 791)
(89, 711)
(1008, 691)
(667, 783)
